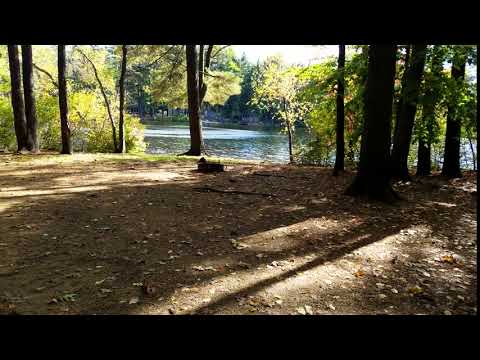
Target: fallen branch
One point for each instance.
(272, 175)
(209, 189)
(282, 176)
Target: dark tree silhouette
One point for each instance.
(29, 96)
(17, 98)
(121, 122)
(340, 128)
(428, 115)
(451, 158)
(196, 137)
(63, 103)
(407, 111)
(372, 178)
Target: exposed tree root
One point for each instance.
(379, 192)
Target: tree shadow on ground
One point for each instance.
(97, 247)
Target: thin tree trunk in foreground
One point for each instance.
(121, 122)
(372, 178)
(196, 138)
(29, 96)
(62, 99)
(340, 128)
(424, 163)
(474, 161)
(451, 158)
(17, 98)
(290, 142)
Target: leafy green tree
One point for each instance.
(458, 106)
(427, 127)
(278, 92)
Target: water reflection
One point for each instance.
(234, 143)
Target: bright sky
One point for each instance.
(293, 54)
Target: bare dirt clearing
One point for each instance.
(101, 236)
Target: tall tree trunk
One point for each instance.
(196, 138)
(372, 178)
(398, 104)
(62, 99)
(340, 129)
(290, 142)
(408, 109)
(472, 150)
(424, 163)
(476, 119)
(201, 84)
(451, 158)
(289, 133)
(29, 96)
(17, 98)
(122, 148)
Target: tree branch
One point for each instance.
(46, 73)
(219, 50)
(107, 103)
(161, 56)
(208, 56)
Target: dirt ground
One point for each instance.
(101, 236)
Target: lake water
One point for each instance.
(234, 143)
(243, 144)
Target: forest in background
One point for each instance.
(270, 93)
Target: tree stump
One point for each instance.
(207, 167)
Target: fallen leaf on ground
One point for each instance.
(133, 300)
(301, 311)
(308, 309)
(359, 273)
(415, 290)
(448, 259)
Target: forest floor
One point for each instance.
(93, 234)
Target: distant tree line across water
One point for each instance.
(55, 97)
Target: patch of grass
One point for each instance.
(55, 158)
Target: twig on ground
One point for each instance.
(208, 189)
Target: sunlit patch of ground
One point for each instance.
(82, 234)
